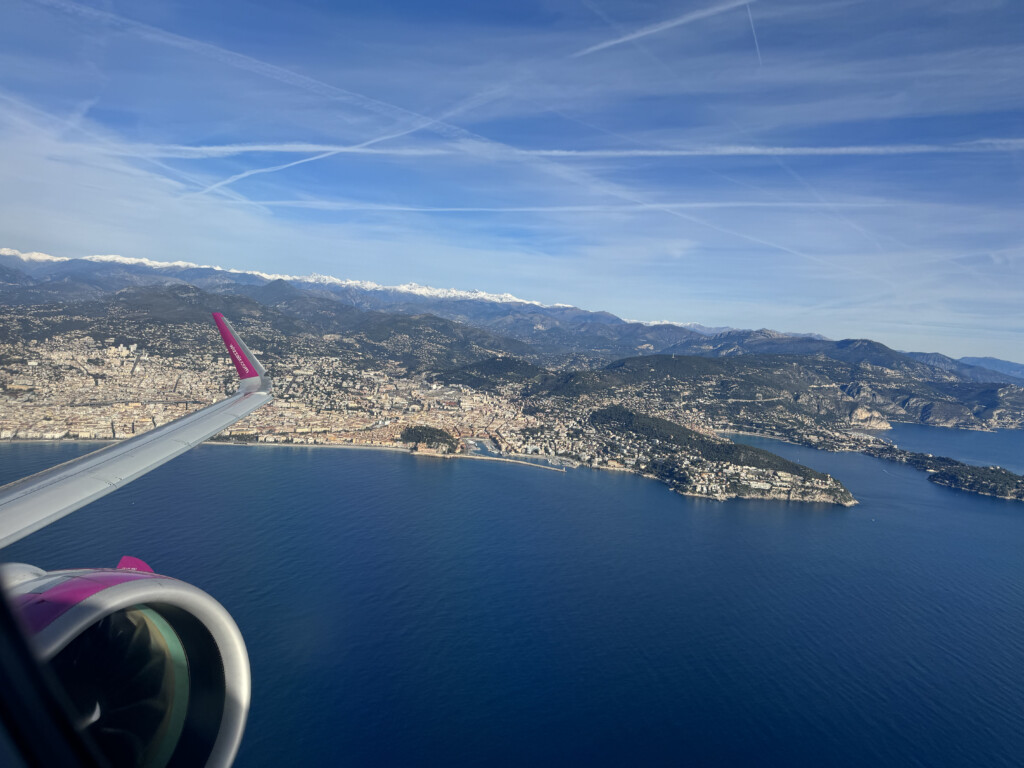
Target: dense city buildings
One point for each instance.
(75, 386)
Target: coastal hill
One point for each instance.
(742, 390)
(78, 340)
(682, 458)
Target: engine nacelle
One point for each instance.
(155, 669)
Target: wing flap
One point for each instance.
(34, 502)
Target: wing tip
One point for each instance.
(246, 365)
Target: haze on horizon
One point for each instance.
(840, 167)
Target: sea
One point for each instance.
(404, 610)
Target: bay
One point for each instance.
(404, 610)
(1004, 447)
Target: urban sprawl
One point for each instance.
(74, 386)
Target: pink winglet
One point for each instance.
(244, 366)
(129, 563)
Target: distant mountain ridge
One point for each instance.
(597, 337)
(558, 334)
(995, 364)
(43, 264)
(968, 370)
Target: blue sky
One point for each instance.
(848, 167)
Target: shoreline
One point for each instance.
(342, 446)
(507, 460)
(395, 449)
(895, 460)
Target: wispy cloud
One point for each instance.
(862, 170)
(469, 142)
(653, 29)
(231, 58)
(31, 118)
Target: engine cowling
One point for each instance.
(155, 669)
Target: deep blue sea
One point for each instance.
(412, 611)
(1004, 448)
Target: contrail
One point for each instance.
(187, 152)
(331, 205)
(243, 62)
(836, 213)
(329, 153)
(272, 169)
(741, 150)
(618, 29)
(686, 18)
(757, 47)
(616, 190)
(424, 122)
(468, 141)
(108, 147)
(202, 152)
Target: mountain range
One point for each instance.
(474, 324)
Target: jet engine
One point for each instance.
(154, 671)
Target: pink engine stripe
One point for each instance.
(38, 611)
(244, 366)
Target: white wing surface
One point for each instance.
(34, 502)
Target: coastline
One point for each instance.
(903, 457)
(342, 446)
(507, 460)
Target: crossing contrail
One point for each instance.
(686, 18)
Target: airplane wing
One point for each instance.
(34, 502)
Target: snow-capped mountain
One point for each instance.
(560, 330)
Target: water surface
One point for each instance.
(1004, 447)
(404, 610)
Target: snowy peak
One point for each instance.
(316, 279)
(112, 259)
(412, 288)
(31, 255)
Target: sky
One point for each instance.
(848, 167)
